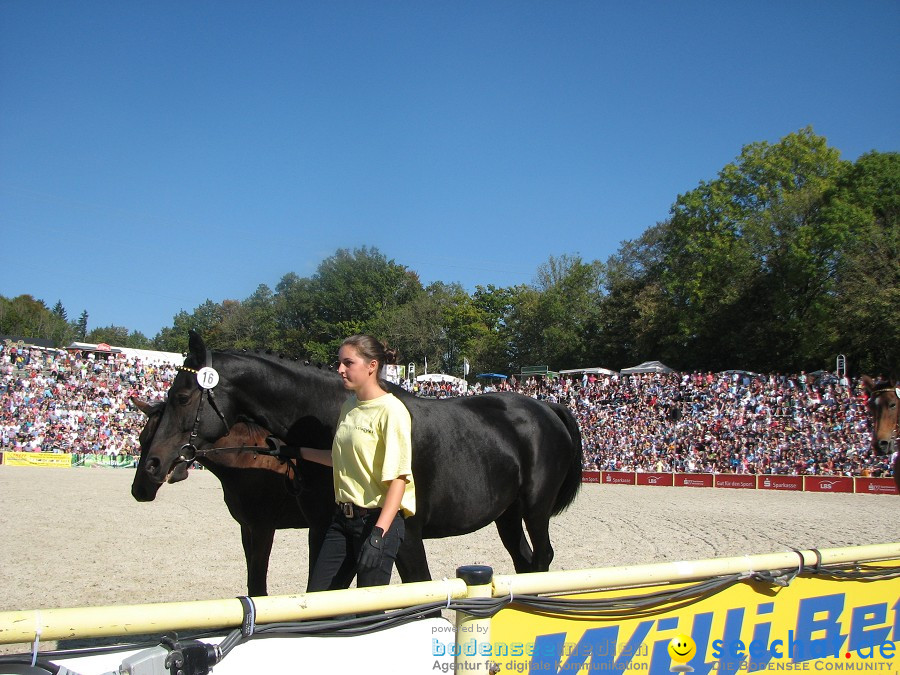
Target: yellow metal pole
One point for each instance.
(617, 577)
(124, 620)
(86, 622)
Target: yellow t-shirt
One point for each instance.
(372, 447)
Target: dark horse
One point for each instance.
(259, 490)
(503, 458)
(884, 399)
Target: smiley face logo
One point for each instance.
(682, 649)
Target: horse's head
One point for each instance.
(193, 418)
(143, 489)
(884, 404)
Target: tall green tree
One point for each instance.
(257, 314)
(490, 350)
(748, 266)
(556, 322)
(463, 326)
(350, 290)
(416, 328)
(236, 329)
(634, 310)
(59, 310)
(207, 319)
(118, 336)
(294, 311)
(29, 317)
(81, 326)
(62, 333)
(111, 335)
(866, 201)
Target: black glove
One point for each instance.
(278, 449)
(372, 550)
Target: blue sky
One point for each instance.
(157, 154)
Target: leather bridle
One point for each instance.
(189, 451)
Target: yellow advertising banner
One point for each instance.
(37, 459)
(812, 624)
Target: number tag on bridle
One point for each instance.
(207, 377)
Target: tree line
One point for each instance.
(787, 258)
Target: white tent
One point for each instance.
(647, 367)
(597, 370)
(145, 355)
(151, 356)
(441, 377)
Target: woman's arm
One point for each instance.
(318, 456)
(391, 503)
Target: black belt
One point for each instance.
(351, 510)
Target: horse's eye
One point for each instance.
(183, 399)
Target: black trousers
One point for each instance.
(337, 562)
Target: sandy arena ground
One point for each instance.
(76, 537)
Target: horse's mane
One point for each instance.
(271, 356)
(305, 366)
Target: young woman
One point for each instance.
(373, 481)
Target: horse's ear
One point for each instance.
(196, 346)
(867, 383)
(143, 406)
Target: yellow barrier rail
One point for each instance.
(619, 577)
(87, 622)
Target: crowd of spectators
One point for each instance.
(731, 422)
(720, 423)
(55, 401)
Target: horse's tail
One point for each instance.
(572, 482)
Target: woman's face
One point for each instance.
(354, 369)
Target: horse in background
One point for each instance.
(259, 490)
(884, 404)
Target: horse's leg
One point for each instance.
(257, 549)
(412, 564)
(538, 523)
(509, 526)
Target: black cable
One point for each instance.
(642, 605)
(16, 664)
(627, 607)
(100, 650)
